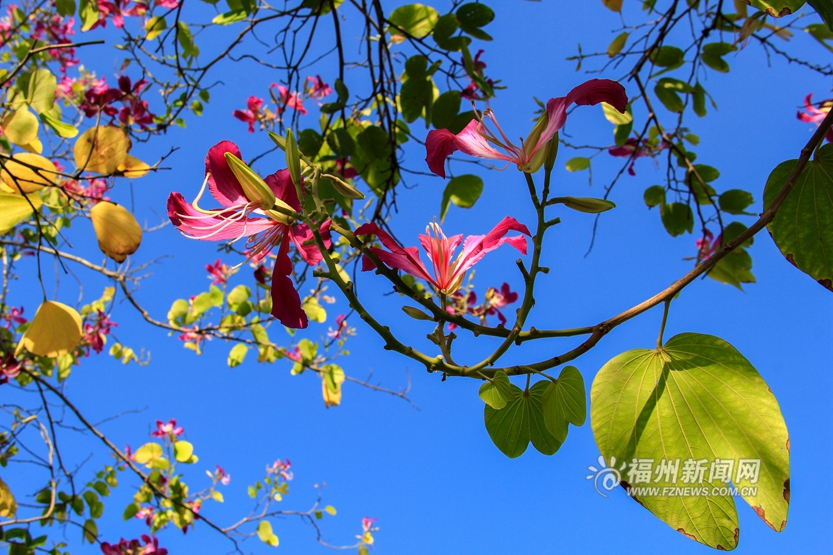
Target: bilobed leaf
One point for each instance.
(88, 12)
(463, 191)
(667, 57)
(735, 201)
(825, 10)
(147, 453)
(62, 129)
(654, 196)
(416, 94)
(616, 117)
(521, 421)
(264, 532)
(695, 398)
(90, 531)
(777, 8)
(39, 87)
(55, 330)
(101, 149)
(230, 17)
(21, 127)
(802, 227)
(314, 310)
(565, 402)
(237, 355)
(734, 269)
(118, 232)
(713, 54)
(669, 98)
(474, 15)
(183, 451)
(445, 109)
(155, 26)
(415, 19)
(132, 168)
(498, 392)
(332, 376)
(677, 218)
(186, 40)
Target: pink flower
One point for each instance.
(14, 315)
(293, 354)
(448, 271)
(633, 149)
(146, 514)
(498, 299)
(318, 88)
(815, 115)
(477, 140)
(223, 476)
(281, 467)
(287, 99)
(169, 4)
(167, 430)
(250, 116)
(133, 547)
(95, 334)
(218, 271)
(461, 304)
(367, 523)
(9, 367)
(473, 90)
(233, 222)
(342, 330)
(707, 245)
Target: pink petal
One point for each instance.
(590, 93)
(222, 183)
(471, 141)
(281, 184)
(304, 240)
(286, 303)
(475, 247)
(220, 227)
(439, 145)
(405, 259)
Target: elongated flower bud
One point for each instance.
(255, 189)
(588, 205)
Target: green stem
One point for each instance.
(664, 320)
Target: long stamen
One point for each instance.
(508, 145)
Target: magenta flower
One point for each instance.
(219, 272)
(250, 116)
(342, 329)
(499, 299)
(169, 429)
(317, 87)
(367, 523)
(476, 139)
(281, 467)
(815, 115)
(634, 149)
(448, 271)
(146, 514)
(232, 222)
(707, 245)
(287, 99)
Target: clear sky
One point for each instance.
(431, 475)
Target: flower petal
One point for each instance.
(304, 241)
(286, 303)
(475, 247)
(221, 182)
(471, 141)
(405, 259)
(439, 145)
(590, 93)
(219, 227)
(281, 184)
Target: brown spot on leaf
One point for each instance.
(627, 487)
(720, 547)
(827, 284)
(782, 13)
(783, 525)
(686, 534)
(737, 535)
(787, 490)
(791, 260)
(788, 443)
(761, 513)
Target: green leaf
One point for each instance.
(698, 98)
(463, 191)
(577, 164)
(415, 19)
(802, 227)
(695, 398)
(734, 269)
(130, 511)
(669, 98)
(340, 141)
(565, 402)
(654, 196)
(677, 218)
(65, 8)
(95, 504)
(314, 310)
(445, 109)
(39, 88)
(186, 40)
(341, 102)
(16, 208)
(675, 85)
(825, 10)
(521, 421)
(667, 56)
(60, 128)
(21, 127)
(183, 451)
(735, 201)
(713, 53)
(179, 308)
(498, 392)
(330, 510)
(416, 94)
(88, 12)
(310, 142)
(230, 17)
(777, 8)
(90, 531)
(474, 15)
(616, 117)
(264, 532)
(237, 355)
(617, 44)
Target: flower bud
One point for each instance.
(293, 158)
(588, 205)
(415, 313)
(343, 187)
(255, 189)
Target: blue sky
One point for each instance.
(431, 475)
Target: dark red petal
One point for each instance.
(222, 183)
(439, 145)
(286, 303)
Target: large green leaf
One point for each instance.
(825, 10)
(777, 8)
(463, 191)
(803, 226)
(521, 421)
(695, 399)
(415, 19)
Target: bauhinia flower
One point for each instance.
(815, 115)
(448, 270)
(169, 429)
(240, 196)
(476, 139)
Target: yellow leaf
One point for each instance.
(314, 310)
(8, 506)
(183, 451)
(15, 209)
(34, 146)
(118, 232)
(27, 172)
(101, 149)
(218, 497)
(615, 5)
(21, 127)
(55, 330)
(132, 167)
(332, 378)
(147, 453)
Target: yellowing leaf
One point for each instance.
(21, 127)
(332, 378)
(218, 497)
(8, 506)
(118, 232)
(264, 532)
(615, 5)
(55, 330)
(183, 451)
(34, 146)
(101, 149)
(27, 172)
(132, 167)
(314, 310)
(15, 209)
(147, 453)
